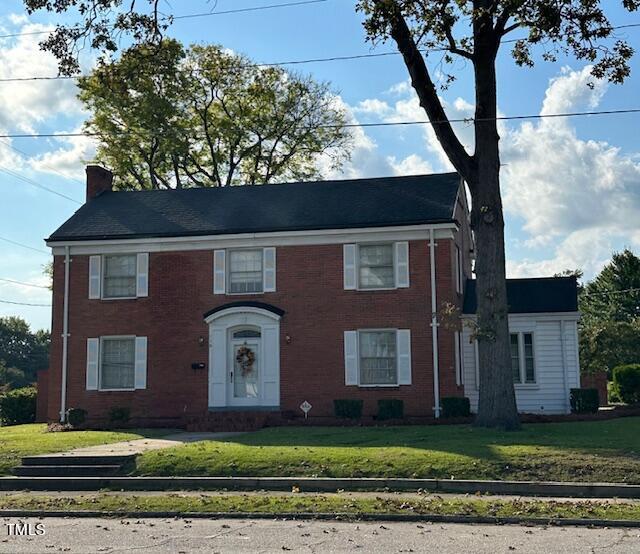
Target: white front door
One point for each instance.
(244, 375)
(232, 381)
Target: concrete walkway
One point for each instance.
(138, 446)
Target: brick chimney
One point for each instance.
(99, 180)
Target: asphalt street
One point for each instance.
(177, 536)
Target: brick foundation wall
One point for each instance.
(597, 380)
(317, 312)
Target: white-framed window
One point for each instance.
(378, 359)
(376, 266)
(119, 276)
(523, 364)
(117, 363)
(114, 276)
(245, 271)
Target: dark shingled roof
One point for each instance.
(529, 296)
(344, 204)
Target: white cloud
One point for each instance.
(67, 161)
(18, 18)
(581, 195)
(571, 89)
(588, 250)
(366, 158)
(411, 165)
(26, 104)
(576, 198)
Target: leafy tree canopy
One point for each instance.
(22, 352)
(614, 295)
(610, 307)
(99, 24)
(204, 116)
(574, 27)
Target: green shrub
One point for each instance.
(612, 393)
(119, 415)
(76, 416)
(584, 401)
(390, 409)
(348, 408)
(18, 406)
(626, 381)
(455, 406)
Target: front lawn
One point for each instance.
(601, 451)
(323, 503)
(28, 440)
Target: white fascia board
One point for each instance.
(281, 238)
(541, 316)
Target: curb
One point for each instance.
(433, 518)
(321, 484)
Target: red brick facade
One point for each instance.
(317, 312)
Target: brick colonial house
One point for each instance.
(191, 306)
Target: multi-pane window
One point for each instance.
(119, 277)
(522, 358)
(245, 271)
(376, 266)
(378, 358)
(117, 364)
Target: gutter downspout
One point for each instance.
(434, 325)
(65, 336)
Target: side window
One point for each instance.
(522, 358)
(117, 363)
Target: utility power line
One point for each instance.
(288, 62)
(375, 124)
(25, 304)
(24, 283)
(24, 245)
(36, 184)
(28, 157)
(191, 16)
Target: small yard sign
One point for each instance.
(305, 407)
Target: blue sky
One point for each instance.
(571, 187)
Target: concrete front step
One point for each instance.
(77, 460)
(67, 471)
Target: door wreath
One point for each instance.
(245, 358)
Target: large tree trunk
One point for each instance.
(497, 403)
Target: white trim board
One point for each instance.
(245, 240)
(541, 316)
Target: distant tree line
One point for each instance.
(22, 353)
(610, 308)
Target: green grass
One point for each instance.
(324, 503)
(577, 451)
(28, 440)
